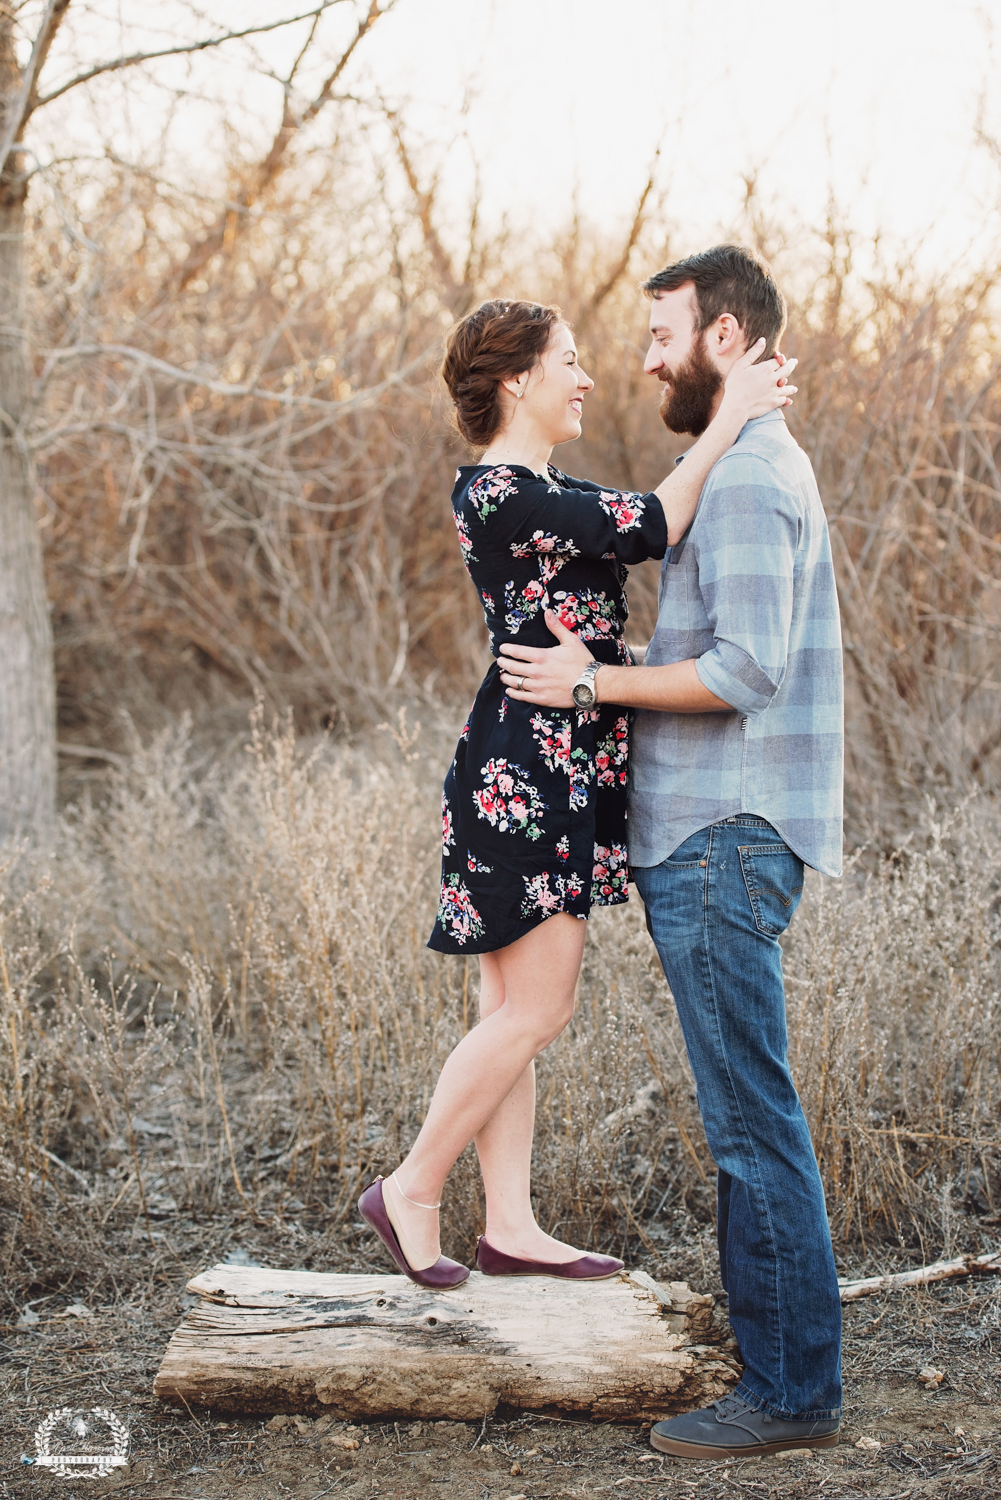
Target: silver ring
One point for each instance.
(521, 684)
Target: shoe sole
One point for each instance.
(680, 1449)
(550, 1275)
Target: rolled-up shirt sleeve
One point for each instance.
(747, 541)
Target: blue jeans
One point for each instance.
(715, 910)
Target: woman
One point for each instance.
(534, 805)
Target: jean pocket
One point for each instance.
(773, 876)
(694, 851)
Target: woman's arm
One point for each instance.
(750, 391)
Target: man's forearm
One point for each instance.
(676, 688)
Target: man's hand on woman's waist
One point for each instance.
(546, 675)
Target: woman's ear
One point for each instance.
(515, 385)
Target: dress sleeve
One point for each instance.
(518, 513)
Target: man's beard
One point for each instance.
(687, 402)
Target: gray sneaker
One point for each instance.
(730, 1428)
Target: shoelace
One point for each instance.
(728, 1407)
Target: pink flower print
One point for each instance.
(508, 800)
(589, 615)
(610, 876)
(465, 540)
(523, 604)
(553, 736)
(625, 508)
(563, 847)
(612, 754)
(542, 541)
(488, 491)
(543, 898)
(456, 912)
(447, 836)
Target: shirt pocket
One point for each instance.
(672, 595)
(773, 876)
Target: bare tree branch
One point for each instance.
(115, 65)
(226, 227)
(424, 201)
(622, 264)
(20, 112)
(224, 387)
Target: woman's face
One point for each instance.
(555, 389)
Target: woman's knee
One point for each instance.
(550, 1020)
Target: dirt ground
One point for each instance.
(914, 1442)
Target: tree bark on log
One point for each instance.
(366, 1346)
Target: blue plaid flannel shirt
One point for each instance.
(749, 592)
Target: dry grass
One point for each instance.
(218, 1001)
(216, 997)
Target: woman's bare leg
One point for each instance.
(504, 1147)
(539, 974)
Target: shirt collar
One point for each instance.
(770, 416)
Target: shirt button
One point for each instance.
(702, 863)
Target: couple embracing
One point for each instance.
(726, 745)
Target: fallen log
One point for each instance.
(364, 1346)
(940, 1270)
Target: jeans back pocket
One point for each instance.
(773, 876)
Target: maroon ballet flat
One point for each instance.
(585, 1268)
(440, 1277)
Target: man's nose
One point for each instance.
(654, 360)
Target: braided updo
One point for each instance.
(498, 340)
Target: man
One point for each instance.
(736, 783)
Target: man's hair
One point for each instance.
(729, 279)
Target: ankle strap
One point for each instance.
(412, 1201)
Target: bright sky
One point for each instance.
(876, 98)
(569, 99)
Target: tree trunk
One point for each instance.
(373, 1346)
(27, 677)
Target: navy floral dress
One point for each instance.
(534, 804)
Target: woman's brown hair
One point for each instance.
(498, 340)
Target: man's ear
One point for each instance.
(726, 335)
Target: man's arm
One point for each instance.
(549, 674)
(748, 536)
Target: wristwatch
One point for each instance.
(583, 689)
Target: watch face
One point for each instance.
(583, 695)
